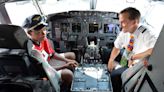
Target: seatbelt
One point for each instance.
(50, 71)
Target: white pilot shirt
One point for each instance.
(143, 40)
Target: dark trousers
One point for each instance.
(116, 79)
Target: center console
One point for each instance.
(91, 78)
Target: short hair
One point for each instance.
(132, 12)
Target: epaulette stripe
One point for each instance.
(144, 30)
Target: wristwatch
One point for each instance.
(131, 58)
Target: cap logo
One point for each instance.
(36, 18)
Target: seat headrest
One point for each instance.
(12, 36)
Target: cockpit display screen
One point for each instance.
(93, 28)
(109, 28)
(76, 27)
(65, 27)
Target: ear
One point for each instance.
(136, 21)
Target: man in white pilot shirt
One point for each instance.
(144, 42)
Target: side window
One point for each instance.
(155, 18)
(18, 11)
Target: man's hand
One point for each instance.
(110, 66)
(130, 63)
(146, 63)
(72, 63)
(113, 55)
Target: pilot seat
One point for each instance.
(149, 77)
(20, 71)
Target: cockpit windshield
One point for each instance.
(29, 7)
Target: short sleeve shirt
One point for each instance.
(45, 48)
(143, 40)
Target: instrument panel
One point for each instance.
(78, 25)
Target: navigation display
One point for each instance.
(93, 28)
(109, 28)
(76, 27)
(65, 27)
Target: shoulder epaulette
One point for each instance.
(142, 29)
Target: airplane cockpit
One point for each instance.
(88, 30)
(85, 35)
(88, 37)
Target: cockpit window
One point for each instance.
(154, 18)
(18, 11)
